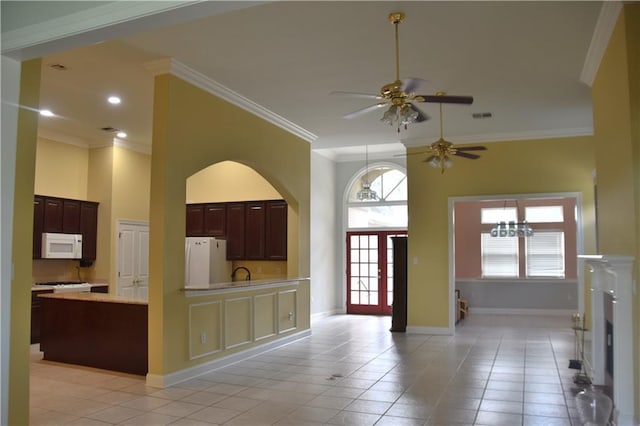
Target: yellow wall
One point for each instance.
(61, 170)
(22, 248)
(520, 167)
(616, 99)
(192, 130)
(228, 181)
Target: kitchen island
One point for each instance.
(95, 330)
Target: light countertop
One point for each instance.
(93, 297)
(243, 285)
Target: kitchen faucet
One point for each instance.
(248, 277)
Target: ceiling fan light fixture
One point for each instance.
(389, 115)
(408, 115)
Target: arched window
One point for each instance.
(388, 209)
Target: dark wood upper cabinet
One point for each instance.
(63, 215)
(71, 216)
(276, 230)
(195, 220)
(89, 229)
(215, 220)
(235, 231)
(38, 225)
(53, 211)
(255, 230)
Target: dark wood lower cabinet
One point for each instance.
(107, 335)
(399, 309)
(36, 314)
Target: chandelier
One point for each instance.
(512, 229)
(366, 193)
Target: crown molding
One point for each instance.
(82, 143)
(62, 138)
(605, 25)
(170, 65)
(132, 146)
(95, 18)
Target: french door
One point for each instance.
(370, 272)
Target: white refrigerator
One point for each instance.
(206, 261)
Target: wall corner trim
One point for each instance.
(171, 66)
(602, 33)
(163, 381)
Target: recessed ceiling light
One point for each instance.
(58, 67)
(46, 113)
(113, 100)
(121, 134)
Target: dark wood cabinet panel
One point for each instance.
(53, 211)
(276, 230)
(100, 289)
(36, 314)
(88, 227)
(195, 220)
(235, 231)
(255, 230)
(38, 225)
(71, 217)
(215, 220)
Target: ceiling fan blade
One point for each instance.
(471, 148)
(410, 84)
(466, 155)
(356, 94)
(421, 115)
(445, 99)
(362, 111)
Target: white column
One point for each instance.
(613, 274)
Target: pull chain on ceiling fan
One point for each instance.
(399, 96)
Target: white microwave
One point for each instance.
(61, 246)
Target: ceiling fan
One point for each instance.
(399, 96)
(441, 150)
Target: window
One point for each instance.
(389, 210)
(499, 256)
(545, 254)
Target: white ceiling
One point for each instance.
(521, 61)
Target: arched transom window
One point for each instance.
(388, 208)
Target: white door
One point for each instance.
(133, 260)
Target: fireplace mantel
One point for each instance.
(612, 274)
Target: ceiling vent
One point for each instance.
(481, 115)
(109, 129)
(58, 67)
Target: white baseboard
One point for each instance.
(163, 381)
(440, 331)
(541, 312)
(321, 315)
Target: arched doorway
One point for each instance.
(372, 219)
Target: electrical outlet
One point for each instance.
(203, 338)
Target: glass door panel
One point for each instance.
(370, 272)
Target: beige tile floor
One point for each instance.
(496, 370)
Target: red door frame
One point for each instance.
(383, 307)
